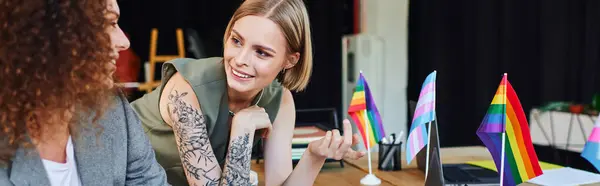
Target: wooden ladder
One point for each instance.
(153, 59)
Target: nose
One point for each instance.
(122, 42)
(243, 57)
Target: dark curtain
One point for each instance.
(208, 18)
(549, 48)
(330, 20)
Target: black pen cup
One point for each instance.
(390, 158)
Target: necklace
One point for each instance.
(231, 113)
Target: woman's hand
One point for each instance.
(332, 145)
(255, 118)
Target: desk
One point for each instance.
(411, 175)
(331, 174)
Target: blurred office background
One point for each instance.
(550, 50)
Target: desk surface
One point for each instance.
(331, 174)
(449, 155)
(411, 175)
(354, 170)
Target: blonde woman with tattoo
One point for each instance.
(207, 114)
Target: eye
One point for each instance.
(236, 41)
(113, 23)
(262, 53)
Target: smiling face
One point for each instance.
(255, 53)
(119, 41)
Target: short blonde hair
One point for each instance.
(292, 18)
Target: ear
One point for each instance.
(292, 60)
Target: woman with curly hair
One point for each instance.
(62, 120)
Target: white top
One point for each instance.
(63, 174)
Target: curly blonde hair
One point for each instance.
(54, 56)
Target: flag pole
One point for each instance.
(429, 133)
(503, 132)
(428, 146)
(502, 160)
(368, 141)
(369, 179)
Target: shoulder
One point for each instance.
(286, 97)
(119, 113)
(116, 110)
(287, 107)
(117, 119)
(176, 91)
(273, 94)
(192, 61)
(196, 71)
(130, 146)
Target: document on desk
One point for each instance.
(566, 176)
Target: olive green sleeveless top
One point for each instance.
(208, 80)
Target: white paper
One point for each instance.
(565, 176)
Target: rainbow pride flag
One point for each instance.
(591, 150)
(363, 104)
(424, 113)
(505, 115)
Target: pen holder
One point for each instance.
(390, 158)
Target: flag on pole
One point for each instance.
(591, 150)
(505, 115)
(424, 113)
(363, 104)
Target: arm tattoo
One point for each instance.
(194, 145)
(237, 171)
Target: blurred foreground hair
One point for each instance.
(53, 68)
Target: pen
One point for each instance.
(384, 141)
(400, 137)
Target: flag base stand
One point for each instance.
(370, 179)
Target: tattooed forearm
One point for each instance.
(194, 147)
(237, 171)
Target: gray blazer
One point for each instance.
(121, 155)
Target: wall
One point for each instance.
(388, 19)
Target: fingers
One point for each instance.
(347, 131)
(336, 141)
(263, 116)
(339, 145)
(254, 108)
(347, 140)
(258, 109)
(266, 131)
(323, 148)
(355, 139)
(343, 148)
(259, 117)
(335, 146)
(261, 109)
(353, 155)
